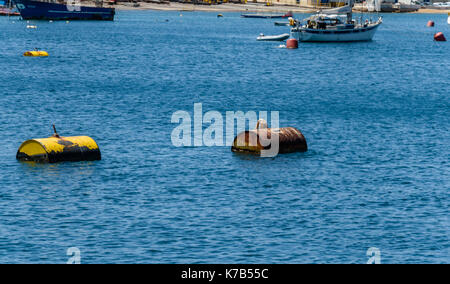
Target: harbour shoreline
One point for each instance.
(225, 7)
(228, 7)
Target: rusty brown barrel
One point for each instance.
(254, 141)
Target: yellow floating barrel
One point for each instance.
(59, 149)
(254, 141)
(36, 53)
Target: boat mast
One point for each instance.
(350, 13)
(9, 9)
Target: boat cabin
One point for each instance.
(329, 22)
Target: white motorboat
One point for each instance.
(281, 37)
(281, 24)
(335, 25)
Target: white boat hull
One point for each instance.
(282, 37)
(315, 35)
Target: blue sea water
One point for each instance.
(375, 115)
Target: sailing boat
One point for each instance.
(448, 19)
(335, 25)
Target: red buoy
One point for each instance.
(439, 37)
(292, 43)
(430, 24)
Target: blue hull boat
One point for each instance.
(37, 10)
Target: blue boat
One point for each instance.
(40, 10)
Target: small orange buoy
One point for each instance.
(439, 37)
(292, 43)
(430, 24)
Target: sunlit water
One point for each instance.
(375, 115)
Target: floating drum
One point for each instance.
(59, 149)
(439, 37)
(254, 141)
(430, 24)
(36, 53)
(292, 43)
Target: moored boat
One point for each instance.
(399, 7)
(285, 24)
(281, 37)
(335, 25)
(40, 10)
(267, 15)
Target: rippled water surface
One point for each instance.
(375, 114)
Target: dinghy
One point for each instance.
(282, 24)
(281, 37)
